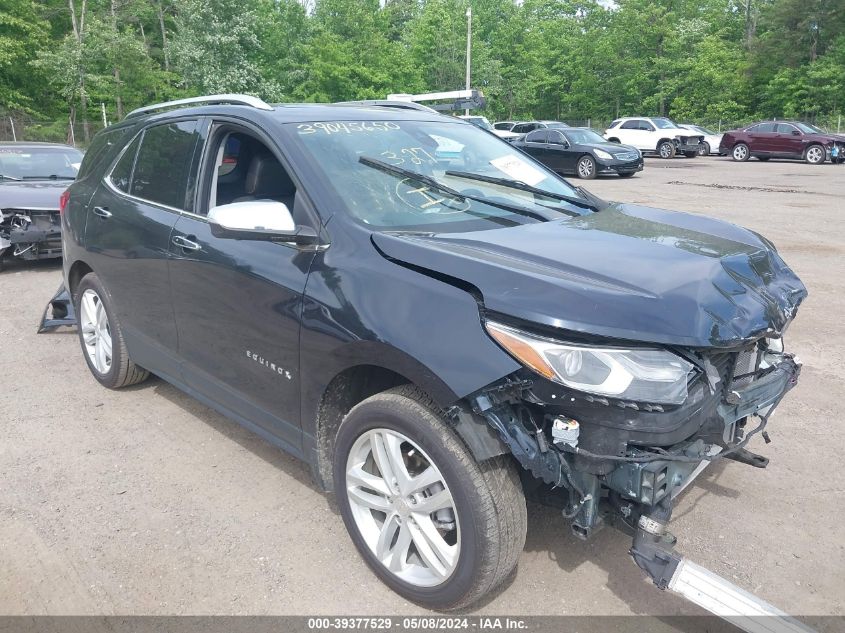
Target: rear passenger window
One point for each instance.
(99, 150)
(121, 175)
(538, 136)
(164, 163)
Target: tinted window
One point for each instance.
(786, 128)
(164, 163)
(121, 175)
(555, 137)
(762, 128)
(522, 128)
(504, 125)
(98, 151)
(537, 136)
(636, 124)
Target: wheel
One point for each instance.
(692, 154)
(613, 140)
(101, 336)
(436, 526)
(586, 167)
(627, 174)
(740, 152)
(763, 158)
(666, 149)
(815, 155)
(704, 149)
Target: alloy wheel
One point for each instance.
(96, 332)
(665, 150)
(740, 152)
(403, 508)
(585, 168)
(815, 154)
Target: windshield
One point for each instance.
(356, 157)
(809, 129)
(39, 163)
(663, 123)
(479, 121)
(584, 137)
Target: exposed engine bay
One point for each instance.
(30, 234)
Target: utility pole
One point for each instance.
(469, 50)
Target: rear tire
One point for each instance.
(815, 155)
(704, 149)
(666, 150)
(740, 152)
(101, 336)
(484, 503)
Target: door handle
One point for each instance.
(184, 243)
(103, 212)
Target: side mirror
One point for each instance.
(265, 220)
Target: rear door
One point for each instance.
(127, 235)
(762, 138)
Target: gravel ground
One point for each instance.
(144, 501)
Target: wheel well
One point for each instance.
(664, 140)
(77, 271)
(347, 389)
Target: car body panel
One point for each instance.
(719, 286)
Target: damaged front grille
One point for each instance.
(736, 369)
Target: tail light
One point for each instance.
(63, 200)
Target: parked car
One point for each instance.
(784, 139)
(712, 140)
(32, 179)
(580, 151)
(437, 338)
(654, 135)
(504, 126)
(524, 127)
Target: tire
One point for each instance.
(485, 505)
(666, 150)
(692, 154)
(704, 149)
(101, 336)
(613, 140)
(740, 152)
(815, 154)
(627, 174)
(586, 167)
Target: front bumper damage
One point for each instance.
(30, 234)
(625, 467)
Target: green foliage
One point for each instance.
(701, 60)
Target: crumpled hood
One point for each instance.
(627, 272)
(32, 194)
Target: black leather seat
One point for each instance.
(266, 179)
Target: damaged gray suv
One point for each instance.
(439, 325)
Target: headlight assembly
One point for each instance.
(638, 374)
(603, 154)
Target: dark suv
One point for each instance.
(439, 325)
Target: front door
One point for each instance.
(238, 301)
(127, 233)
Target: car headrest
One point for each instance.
(266, 178)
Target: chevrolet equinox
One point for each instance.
(437, 323)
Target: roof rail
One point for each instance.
(388, 103)
(236, 99)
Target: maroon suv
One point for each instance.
(783, 139)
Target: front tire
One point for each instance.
(666, 150)
(740, 152)
(101, 336)
(815, 155)
(586, 167)
(437, 527)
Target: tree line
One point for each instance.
(699, 60)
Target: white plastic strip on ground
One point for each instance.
(723, 598)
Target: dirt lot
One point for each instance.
(146, 502)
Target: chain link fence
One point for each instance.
(22, 127)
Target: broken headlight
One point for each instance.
(639, 374)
